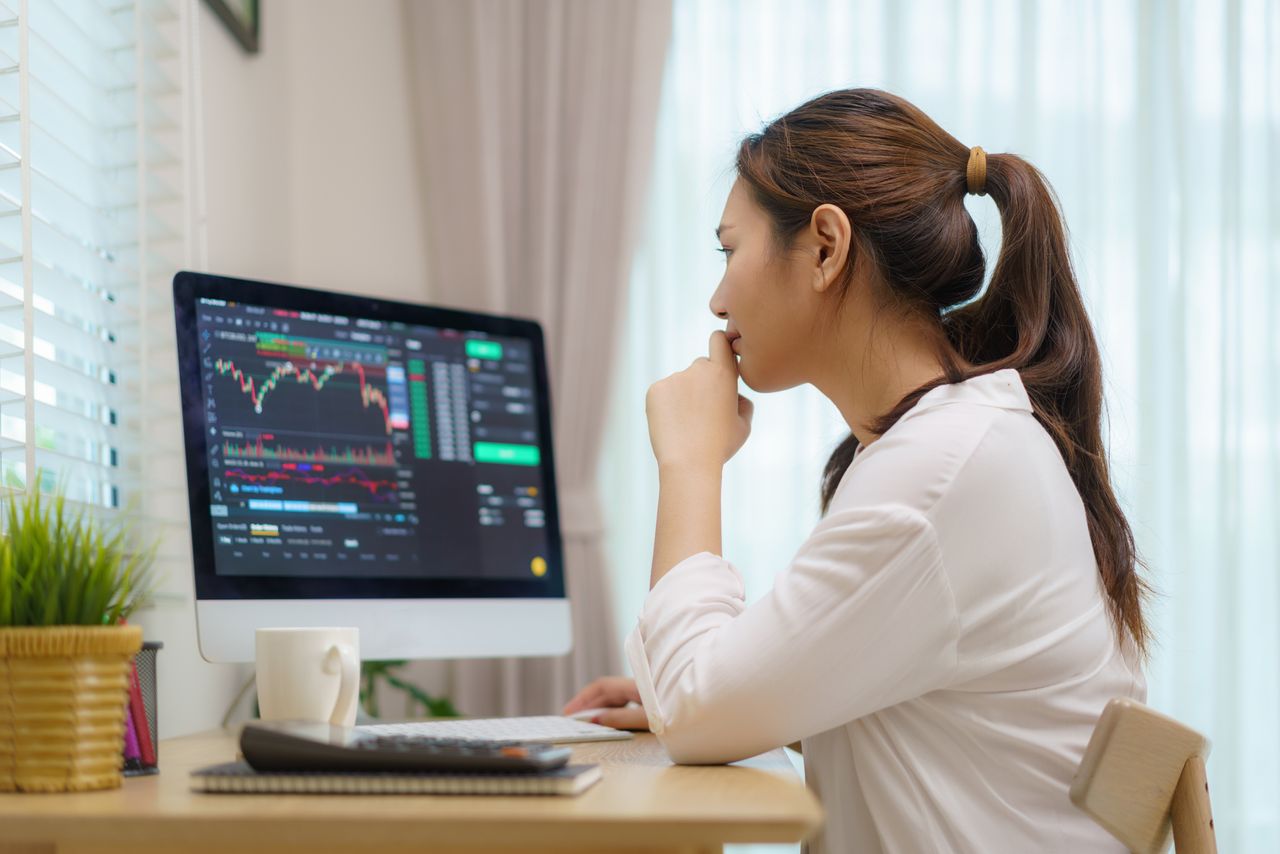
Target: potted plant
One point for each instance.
(373, 672)
(66, 585)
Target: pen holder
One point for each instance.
(141, 737)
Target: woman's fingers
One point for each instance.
(627, 690)
(629, 717)
(589, 697)
(585, 699)
(612, 693)
(605, 691)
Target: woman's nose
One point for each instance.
(716, 304)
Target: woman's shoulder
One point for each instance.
(968, 430)
(915, 462)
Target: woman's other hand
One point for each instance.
(696, 416)
(612, 693)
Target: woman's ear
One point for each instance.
(831, 238)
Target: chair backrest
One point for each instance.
(1143, 778)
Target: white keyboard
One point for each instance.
(546, 729)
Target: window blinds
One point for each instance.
(92, 227)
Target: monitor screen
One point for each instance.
(346, 447)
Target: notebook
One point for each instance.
(239, 777)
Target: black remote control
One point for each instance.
(304, 746)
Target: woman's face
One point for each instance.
(767, 296)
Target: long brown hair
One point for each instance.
(901, 180)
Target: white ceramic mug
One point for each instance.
(309, 674)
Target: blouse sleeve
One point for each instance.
(863, 618)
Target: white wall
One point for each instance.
(355, 200)
(310, 178)
(310, 174)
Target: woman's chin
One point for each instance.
(748, 379)
(765, 384)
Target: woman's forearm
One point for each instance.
(688, 515)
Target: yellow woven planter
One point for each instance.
(62, 705)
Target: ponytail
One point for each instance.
(905, 197)
(1033, 318)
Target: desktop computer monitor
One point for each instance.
(361, 462)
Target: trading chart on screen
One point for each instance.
(341, 442)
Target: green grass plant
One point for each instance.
(61, 567)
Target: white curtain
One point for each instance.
(536, 127)
(1159, 126)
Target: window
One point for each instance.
(1156, 124)
(92, 227)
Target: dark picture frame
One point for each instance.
(242, 18)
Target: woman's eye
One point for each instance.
(725, 251)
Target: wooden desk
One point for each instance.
(643, 804)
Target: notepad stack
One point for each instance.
(239, 777)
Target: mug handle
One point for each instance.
(350, 679)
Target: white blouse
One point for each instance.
(941, 642)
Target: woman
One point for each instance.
(944, 641)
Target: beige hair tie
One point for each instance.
(976, 172)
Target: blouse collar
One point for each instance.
(1002, 389)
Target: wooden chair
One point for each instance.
(1143, 775)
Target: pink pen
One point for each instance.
(131, 749)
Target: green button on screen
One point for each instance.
(518, 455)
(484, 349)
